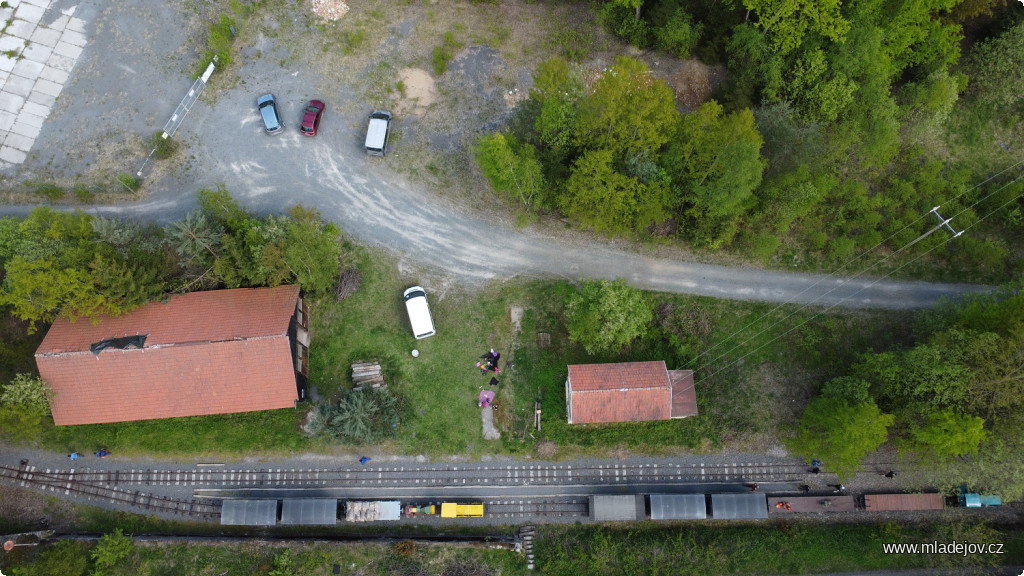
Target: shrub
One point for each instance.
(622, 21)
(50, 191)
(444, 53)
(128, 181)
(218, 45)
(362, 416)
(84, 195)
(163, 148)
(111, 551)
(604, 316)
(679, 36)
(26, 393)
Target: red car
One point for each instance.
(311, 116)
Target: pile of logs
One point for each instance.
(367, 374)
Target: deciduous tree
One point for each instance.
(840, 433)
(945, 434)
(604, 316)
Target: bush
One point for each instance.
(50, 191)
(622, 22)
(364, 416)
(26, 393)
(163, 148)
(218, 45)
(128, 181)
(604, 316)
(111, 551)
(679, 36)
(84, 195)
(444, 53)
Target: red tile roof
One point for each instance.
(684, 397)
(215, 352)
(623, 392)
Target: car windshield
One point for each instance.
(307, 128)
(312, 109)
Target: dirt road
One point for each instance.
(132, 74)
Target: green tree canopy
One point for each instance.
(627, 110)
(604, 316)
(840, 433)
(787, 22)
(945, 434)
(511, 167)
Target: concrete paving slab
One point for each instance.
(3, 77)
(41, 3)
(30, 12)
(8, 43)
(54, 75)
(46, 36)
(48, 88)
(6, 121)
(27, 68)
(6, 14)
(7, 64)
(37, 53)
(11, 102)
(8, 154)
(38, 97)
(19, 142)
(61, 62)
(28, 120)
(76, 38)
(67, 49)
(20, 28)
(25, 129)
(36, 109)
(19, 85)
(59, 23)
(76, 25)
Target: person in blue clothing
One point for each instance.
(74, 456)
(103, 452)
(364, 460)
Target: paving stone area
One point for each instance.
(38, 49)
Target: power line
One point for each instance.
(942, 223)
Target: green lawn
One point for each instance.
(756, 365)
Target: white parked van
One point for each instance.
(377, 133)
(419, 312)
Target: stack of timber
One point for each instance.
(367, 374)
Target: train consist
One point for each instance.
(753, 505)
(329, 511)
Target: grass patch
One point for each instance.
(777, 548)
(268, 432)
(445, 52)
(129, 182)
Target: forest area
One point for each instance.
(837, 130)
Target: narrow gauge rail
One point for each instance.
(29, 476)
(443, 475)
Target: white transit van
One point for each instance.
(419, 312)
(377, 133)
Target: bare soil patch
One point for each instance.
(417, 90)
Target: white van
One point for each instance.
(377, 133)
(419, 312)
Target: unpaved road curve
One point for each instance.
(370, 199)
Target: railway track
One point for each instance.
(65, 483)
(437, 476)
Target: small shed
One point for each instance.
(628, 392)
(738, 506)
(248, 513)
(617, 508)
(678, 507)
(309, 511)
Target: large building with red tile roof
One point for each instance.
(213, 352)
(628, 392)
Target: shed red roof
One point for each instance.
(214, 352)
(628, 392)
